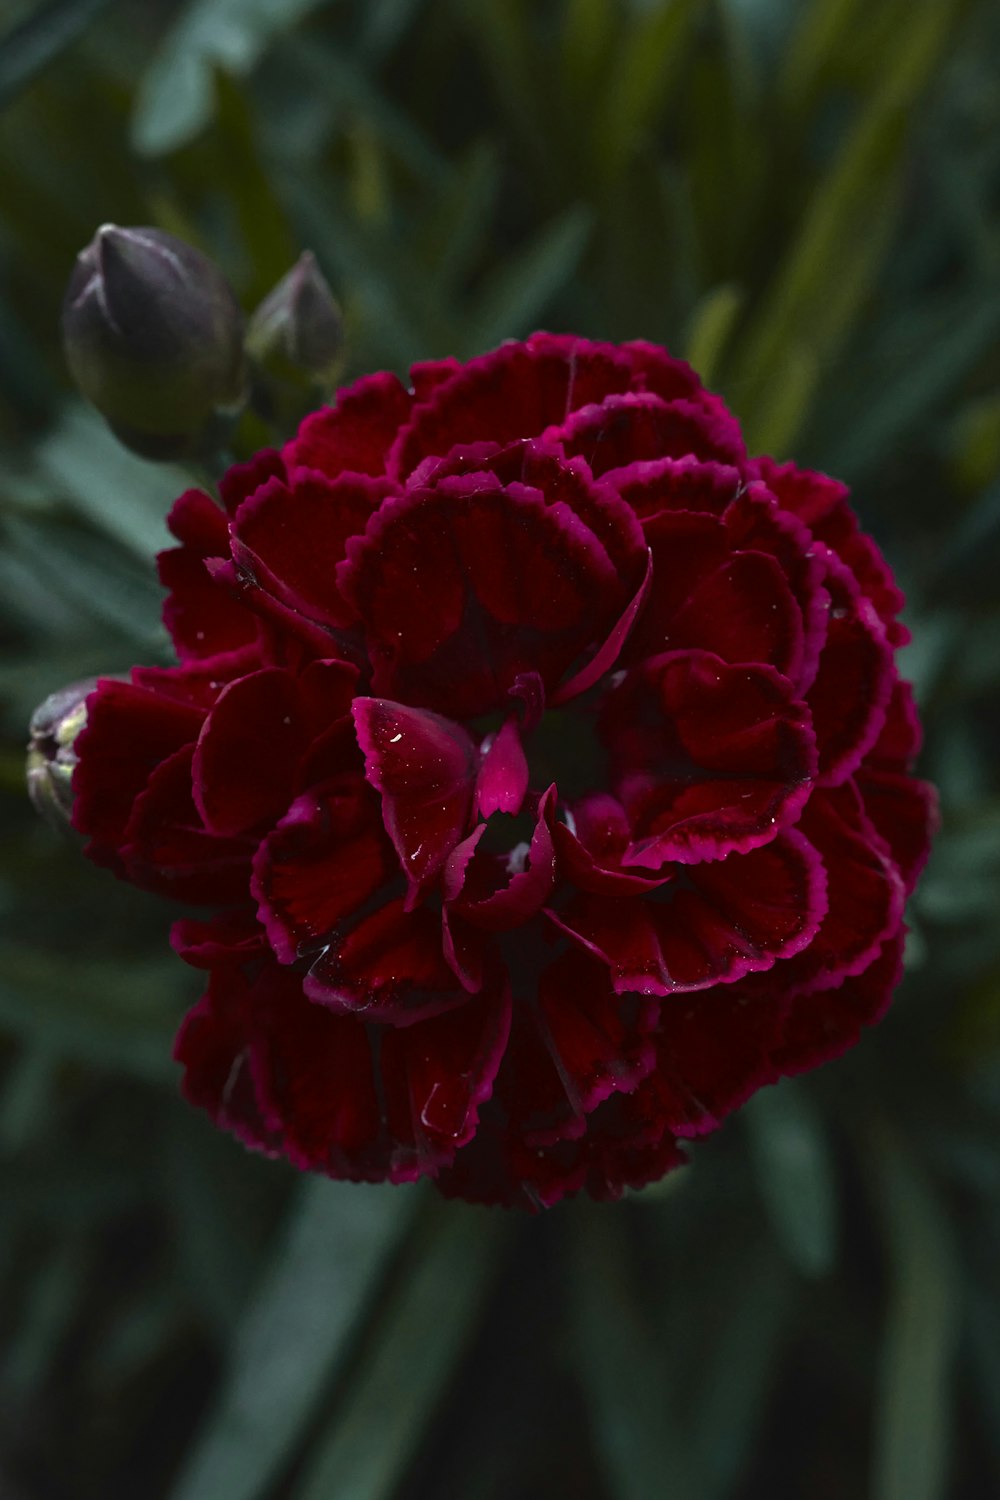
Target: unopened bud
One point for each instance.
(54, 728)
(298, 331)
(154, 338)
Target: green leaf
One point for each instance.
(125, 496)
(176, 98)
(502, 33)
(830, 265)
(456, 228)
(711, 324)
(342, 79)
(588, 33)
(295, 1336)
(429, 1317)
(84, 571)
(111, 1014)
(40, 39)
(920, 380)
(644, 1450)
(792, 1160)
(783, 407)
(518, 293)
(48, 1304)
(26, 1096)
(638, 80)
(913, 1416)
(738, 1366)
(818, 38)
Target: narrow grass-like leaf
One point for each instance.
(429, 1316)
(622, 1372)
(457, 228)
(518, 293)
(638, 80)
(854, 187)
(125, 496)
(296, 1334)
(732, 1393)
(85, 571)
(919, 383)
(817, 38)
(588, 33)
(775, 420)
(711, 326)
(40, 39)
(792, 1160)
(345, 82)
(26, 1095)
(48, 1304)
(913, 1416)
(175, 99)
(115, 1015)
(502, 33)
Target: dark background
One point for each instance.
(803, 199)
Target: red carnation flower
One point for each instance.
(544, 762)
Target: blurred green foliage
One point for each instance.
(805, 200)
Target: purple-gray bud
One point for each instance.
(153, 335)
(298, 329)
(54, 728)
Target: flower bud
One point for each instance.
(296, 335)
(154, 338)
(54, 728)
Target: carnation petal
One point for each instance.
(822, 503)
(326, 858)
(437, 1075)
(570, 1050)
(289, 537)
(315, 1076)
(520, 893)
(425, 767)
(243, 480)
(356, 433)
(713, 1050)
(905, 813)
(864, 891)
(166, 847)
(638, 426)
(854, 680)
(651, 485)
(248, 752)
(708, 595)
(129, 731)
(822, 1025)
(468, 587)
(591, 853)
(386, 965)
(503, 774)
(707, 758)
(711, 925)
(512, 393)
(213, 1046)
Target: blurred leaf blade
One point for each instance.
(40, 39)
(295, 1334)
(913, 1426)
(520, 290)
(622, 1372)
(428, 1320)
(794, 1169)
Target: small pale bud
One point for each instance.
(298, 330)
(54, 728)
(154, 338)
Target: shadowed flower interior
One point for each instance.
(543, 761)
